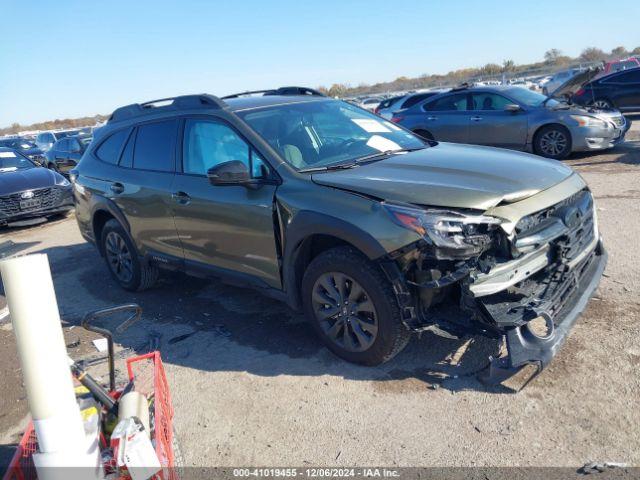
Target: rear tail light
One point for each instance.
(397, 118)
(376, 110)
(580, 92)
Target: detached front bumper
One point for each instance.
(560, 312)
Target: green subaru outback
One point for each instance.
(373, 232)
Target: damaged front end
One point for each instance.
(525, 281)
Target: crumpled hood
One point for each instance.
(27, 179)
(451, 175)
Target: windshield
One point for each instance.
(527, 97)
(11, 161)
(319, 134)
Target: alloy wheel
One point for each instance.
(553, 143)
(345, 311)
(601, 105)
(119, 257)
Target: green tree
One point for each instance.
(635, 51)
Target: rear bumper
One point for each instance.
(526, 348)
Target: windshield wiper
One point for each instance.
(360, 160)
(339, 166)
(386, 153)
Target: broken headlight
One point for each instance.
(456, 234)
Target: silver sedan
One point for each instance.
(516, 118)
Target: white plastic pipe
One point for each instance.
(45, 365)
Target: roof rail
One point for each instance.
(279, 91)
(170, 103)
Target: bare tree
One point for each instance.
(592, 54)
(508, 66)
(619, 52)
(551, 56)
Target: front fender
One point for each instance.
(304, 226)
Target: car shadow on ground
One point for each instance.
(627, 153)
(210, 326)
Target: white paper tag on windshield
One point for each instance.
(370, 125)
(382, 144)
(7, 155)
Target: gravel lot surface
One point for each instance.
(252, 386)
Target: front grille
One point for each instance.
(49, 198)
(576, 212)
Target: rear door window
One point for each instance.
(489, 101)
(109, 150)
(155, 146)
(415, 99)
(448, 103)
(627, 77)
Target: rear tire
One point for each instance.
(552, 141)
(370, 330)
(123, 260)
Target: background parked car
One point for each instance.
(620, 64)
(558, 79)
(66, 153)
(370, 103)
(394, 104)
(619, 90)
(45, 140)
(25, 147)
(513, 117)
(27, 191)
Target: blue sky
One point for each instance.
(70, 58)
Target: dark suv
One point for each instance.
(371, 230)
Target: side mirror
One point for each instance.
(512, 107)
(234, 172)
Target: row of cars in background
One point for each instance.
(33, 185)
(583, 113)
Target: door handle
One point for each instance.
(476, 119)
(431, 118)
(117, 187)
(181, 197)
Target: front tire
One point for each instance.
(552, 141)
(123, 260)
(352, 307)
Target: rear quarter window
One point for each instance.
(109, 150)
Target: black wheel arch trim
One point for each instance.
(109, 206)
(306, 224)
